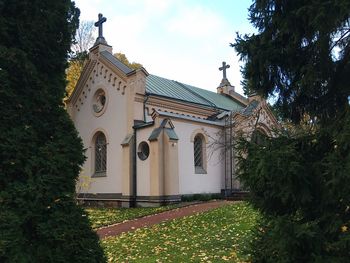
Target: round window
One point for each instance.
(143, 151)
(99, 101)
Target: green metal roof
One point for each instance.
(175, 90)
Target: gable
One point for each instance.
(257, 114)
(166, 126)
(101, 66)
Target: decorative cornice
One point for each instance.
(156, 114)
(84, 76)
(114, 69)
(175, 105)
(96, 70)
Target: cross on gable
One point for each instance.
(223, 68)
(99, 23)
(100, 38)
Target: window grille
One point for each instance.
(198, 151)
(100, 153)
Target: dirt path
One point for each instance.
(150, 220)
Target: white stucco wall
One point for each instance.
(112, 122)
(143, 167)
(138, 111)
(189, 181)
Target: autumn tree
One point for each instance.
(73, 73)
(40, 152)
(124, 59)
(83, 40)
(298, 180)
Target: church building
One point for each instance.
(150, 140)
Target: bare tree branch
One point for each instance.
(84, 37)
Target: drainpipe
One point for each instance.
(134, 155)
(134, 162)
(134, 172)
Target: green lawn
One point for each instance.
(107, 216)
(217, 236)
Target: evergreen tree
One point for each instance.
(299, 179)
(40, 153)
(301, 54)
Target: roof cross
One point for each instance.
(223, 68)
(100, 38)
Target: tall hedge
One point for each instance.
(40, 152)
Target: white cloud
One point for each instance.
(157, 7)
(195, 22)
(88, 9)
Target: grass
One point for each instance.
(220, 235)
(107, 216)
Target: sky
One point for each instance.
(183, 40)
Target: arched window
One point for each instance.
(100, 154)
(199, 154)
(198, 151)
